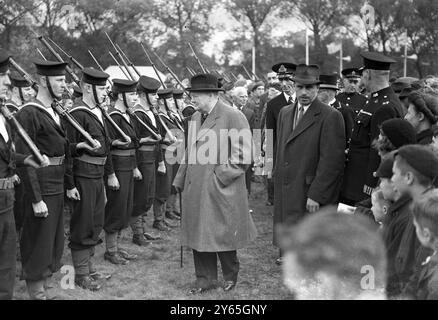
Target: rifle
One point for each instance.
(247, 73)
(190, 71)
(172, 74)
(41, 54)
(98, 65)
(64, 112)
(120, 57)
(156, 136)
(75, 62)
(21, 132)
(59, 108)
(24, 74)
(197, 59)
(58, 57)
(129, 61)
(153, 65)
(120, 67)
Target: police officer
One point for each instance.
(149, 157)
(327, 94)
(120, 177)
(363, 160)
(351, 96)
(88, 169)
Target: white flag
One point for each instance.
(348, 59)
(334, 47)
(368, 16)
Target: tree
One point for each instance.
(180, 22)
(12, 14)
(254, 13)
(322, 16)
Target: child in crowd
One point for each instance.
(380, 206)
(414, 172)
(425, 286)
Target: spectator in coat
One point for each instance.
(310, 156)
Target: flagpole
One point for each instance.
(254, 61)
(340, 60)
(405, 69)
(307, 46)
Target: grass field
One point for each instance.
(157, 273)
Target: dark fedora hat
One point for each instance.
(307, 74)
(204, 82)
(329, 81)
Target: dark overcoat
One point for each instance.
(309, 160)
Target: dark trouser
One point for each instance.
(19, 206)
(42, 239)
(88, 214)
(206, 267)
(248, 176)
(270, 189)
(163, 185)
(87, 221)
(8, 247)
(144, 190)
(118, 209)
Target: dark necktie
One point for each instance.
(203, 117)
(299, 116)
(290, 101)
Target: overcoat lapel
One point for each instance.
(307, 120)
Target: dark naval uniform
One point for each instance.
(148, 157)
(362, 159)
(13, 107)
(42, 240)
(120, 203)
(8, 236)
(164, 181)
(19, 189)
(171, 211)
(88, 168)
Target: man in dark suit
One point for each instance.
(285, 71)
(310, 152)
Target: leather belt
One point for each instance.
(147, 147)
(56, 161)
(6, 183)
(123, 153)
(99, 161)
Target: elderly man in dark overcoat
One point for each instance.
(215, 221)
